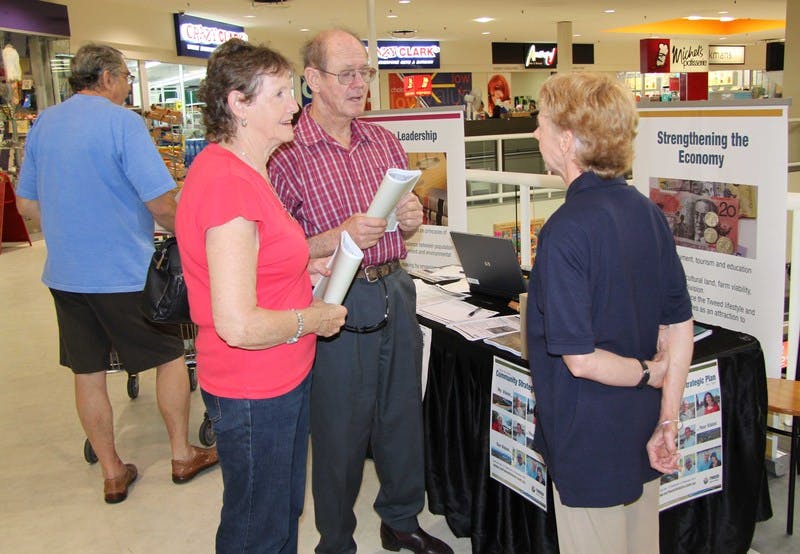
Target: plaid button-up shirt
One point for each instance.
(322, 183)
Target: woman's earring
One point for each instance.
(244, 122)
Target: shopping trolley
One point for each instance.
(188, 333)
(206, 434)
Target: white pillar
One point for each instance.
(791, 89)
(374, 86)
(564, 37)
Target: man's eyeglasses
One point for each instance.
(375, 326)
(130, 77)
(347, 76)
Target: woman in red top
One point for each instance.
(497, 423)
(710, 404)
(246, 265)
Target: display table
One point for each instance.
(498, 520)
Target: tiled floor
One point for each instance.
(51, 499)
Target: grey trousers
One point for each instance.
(366, 390)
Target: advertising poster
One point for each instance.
(719, 174)
(434, 141)
(447, 89)
(498, 93)
(512, 460)
(699, 439)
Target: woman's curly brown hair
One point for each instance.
(234, 65)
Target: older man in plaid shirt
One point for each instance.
(366, 387)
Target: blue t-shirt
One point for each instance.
(92, 165)
(606, 275)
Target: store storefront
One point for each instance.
(35, 48)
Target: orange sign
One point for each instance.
(417, 85)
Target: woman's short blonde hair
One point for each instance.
(601, 114)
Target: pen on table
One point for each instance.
(473, 312)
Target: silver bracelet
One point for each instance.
(299, 332)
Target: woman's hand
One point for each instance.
(328, 318)
(659, 366)
(318, 268)
(662, 448)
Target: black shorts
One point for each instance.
(90, 325)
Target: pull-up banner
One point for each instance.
(719, 173)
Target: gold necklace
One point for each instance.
(246, 159)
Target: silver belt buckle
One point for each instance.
(377, 273)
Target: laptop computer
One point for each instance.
(490, 265)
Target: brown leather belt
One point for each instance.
(374, 272)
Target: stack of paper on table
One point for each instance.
(461, 287)
(438, 274)
(430, 294)
(476, 329)
(701, 332)
(453, 311)
(512, 342)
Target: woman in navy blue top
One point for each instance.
(609, 325)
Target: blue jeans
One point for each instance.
(262, 445)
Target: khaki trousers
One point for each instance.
(627, 528)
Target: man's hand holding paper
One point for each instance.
(395, 188)
(409, 213)
(365, 231)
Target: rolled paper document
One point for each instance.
(343, 265)
(396, 183)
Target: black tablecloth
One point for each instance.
(498, 520)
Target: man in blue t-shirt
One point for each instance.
(94, 178)
(609, 326)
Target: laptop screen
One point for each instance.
(490, 265)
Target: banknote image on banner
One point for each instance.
(707, 215)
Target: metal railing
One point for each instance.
(529, 184)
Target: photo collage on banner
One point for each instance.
(699, 439)
(512, 424)
(512, 460)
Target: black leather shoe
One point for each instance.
(418, 542)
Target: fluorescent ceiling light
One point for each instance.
(486, 33)
(403, 1)
(723, 19)
(609, 11)
(483, 19)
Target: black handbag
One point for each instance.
(164, 299)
